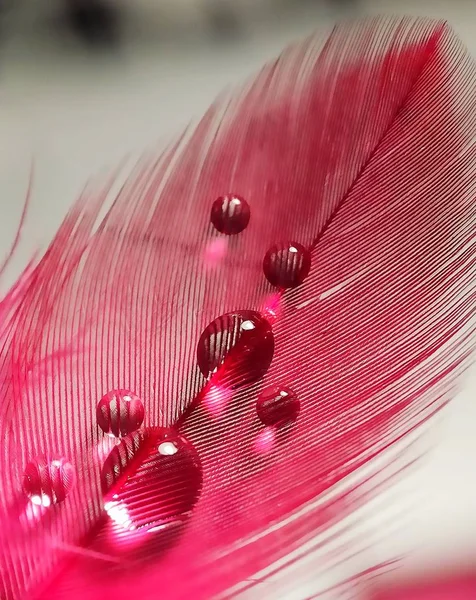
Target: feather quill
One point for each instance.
(358, 146)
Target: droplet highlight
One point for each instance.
(236, 349)
(216, 399)
(277, 406)
(119, 413)
(215, 252)
(287, 265)
(151, 479)
(265, 441)
(230, 214)
(48, 482)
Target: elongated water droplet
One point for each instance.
(230, 214)
(277, 405)
(119, 413)
(48, 482)
(236, 348)
(151, 479)
(287, 265)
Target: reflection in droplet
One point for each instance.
(265, 441)
(287, 265)
(103, 447)
(216, 399)
(120, 412)
(236, 348)
(48, 482)
(230, 214)
(247, 325)
(153, 477)
(41, 500)
(167, 448)
(215, 252)
(277, 405)
(118, 513)
(272, 307)
(32, 513)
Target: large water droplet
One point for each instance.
(237, 348)
(119, 413)
(48, 482)
(230, 214)
(277, 405)
(151, 479)
(287, 265)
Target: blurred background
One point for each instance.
(85, 82)
(82, 82)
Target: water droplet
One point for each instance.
(48, 482)
(237, 348)
(287, 265)
(230, 214)
(152, 478)
(277, 405)
(119, 413)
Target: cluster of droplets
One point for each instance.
(152, 476)
(285, 265)
(237, 348)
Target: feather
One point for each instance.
(355, 156)
(458, 585)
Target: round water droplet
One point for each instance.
(287, 265)
(48, 482)
(277, 405)
(238, 347)
(151, 479)
(119, 413)
(230, 214)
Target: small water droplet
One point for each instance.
(230, 214)
(153, 477)
(277, 405)
(48, 482)
(119, 413)
(287, 265)
(237, 348)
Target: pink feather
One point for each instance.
(359, 148)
